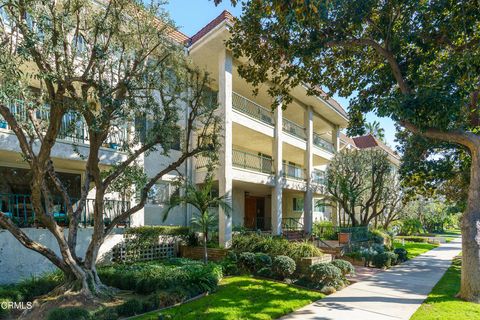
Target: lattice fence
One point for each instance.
(166, 248)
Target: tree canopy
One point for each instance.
(365, 186)
(414, 61)
(113, 73)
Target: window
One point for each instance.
(4, 16)
(297, 204)
(160, 193)
(319, 206)
(79, 44)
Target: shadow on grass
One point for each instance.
(246, 298)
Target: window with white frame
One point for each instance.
(319, 206)
(160, 193)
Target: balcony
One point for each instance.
(318, 177)
(72, 129)
(252, 109)
(322, 143)
(251, 161)
(294, 129)
(293, 172)
(19, 209)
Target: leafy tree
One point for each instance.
(203, 199)
(375, 130)
(109, 65)
(412, 60)
(362, 182)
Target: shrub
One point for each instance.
(129, 308)
(247, 260)
(367, 254)
(325, 230)
(69, 313)
(283, 266)
(326, 274)
(229, 264)
(345, 267)
(273, 246)
(411, 226)
(4, 312)
(30, 288)
(148, 277)
(415, 239)
(265, 272)
(384, 259)
(380, 237)
(106, 314)
(169, 298)
(262, 260)
(402, 254)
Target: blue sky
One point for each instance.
(191, 15)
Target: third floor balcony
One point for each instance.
(265, 115)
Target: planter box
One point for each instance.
(344, 238)
(305, 263)
(360, 263)
(196, 253)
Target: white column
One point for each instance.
(277, 190)
(225, 167)
(335, 217)
(308, 199)
(336, 138)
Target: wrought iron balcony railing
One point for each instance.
(293, 172)
(73, 127)
(252, 109)
(322, 143)
(294, 129)
(251, 161)
(18, 207)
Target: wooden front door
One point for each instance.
(250, 212)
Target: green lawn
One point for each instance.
(450, 235)
(243, 298)
(441, 303)
(415, 248)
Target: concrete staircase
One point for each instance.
(294, 235)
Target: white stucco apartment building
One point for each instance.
(272, 162)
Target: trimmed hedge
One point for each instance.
(147, 277)
(345, 267)
(69, 313)
(274, 246)
(326, 275)
(283, 266)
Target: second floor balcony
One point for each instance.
(73, 127)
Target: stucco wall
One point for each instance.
(154, 216)
(17, 262)
(238, 207)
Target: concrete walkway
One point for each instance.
(394, 294)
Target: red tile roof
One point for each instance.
(369, 141)
(224, 16)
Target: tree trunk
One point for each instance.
(470, 283)
(205, 249)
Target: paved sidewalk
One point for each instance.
(394, 294)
